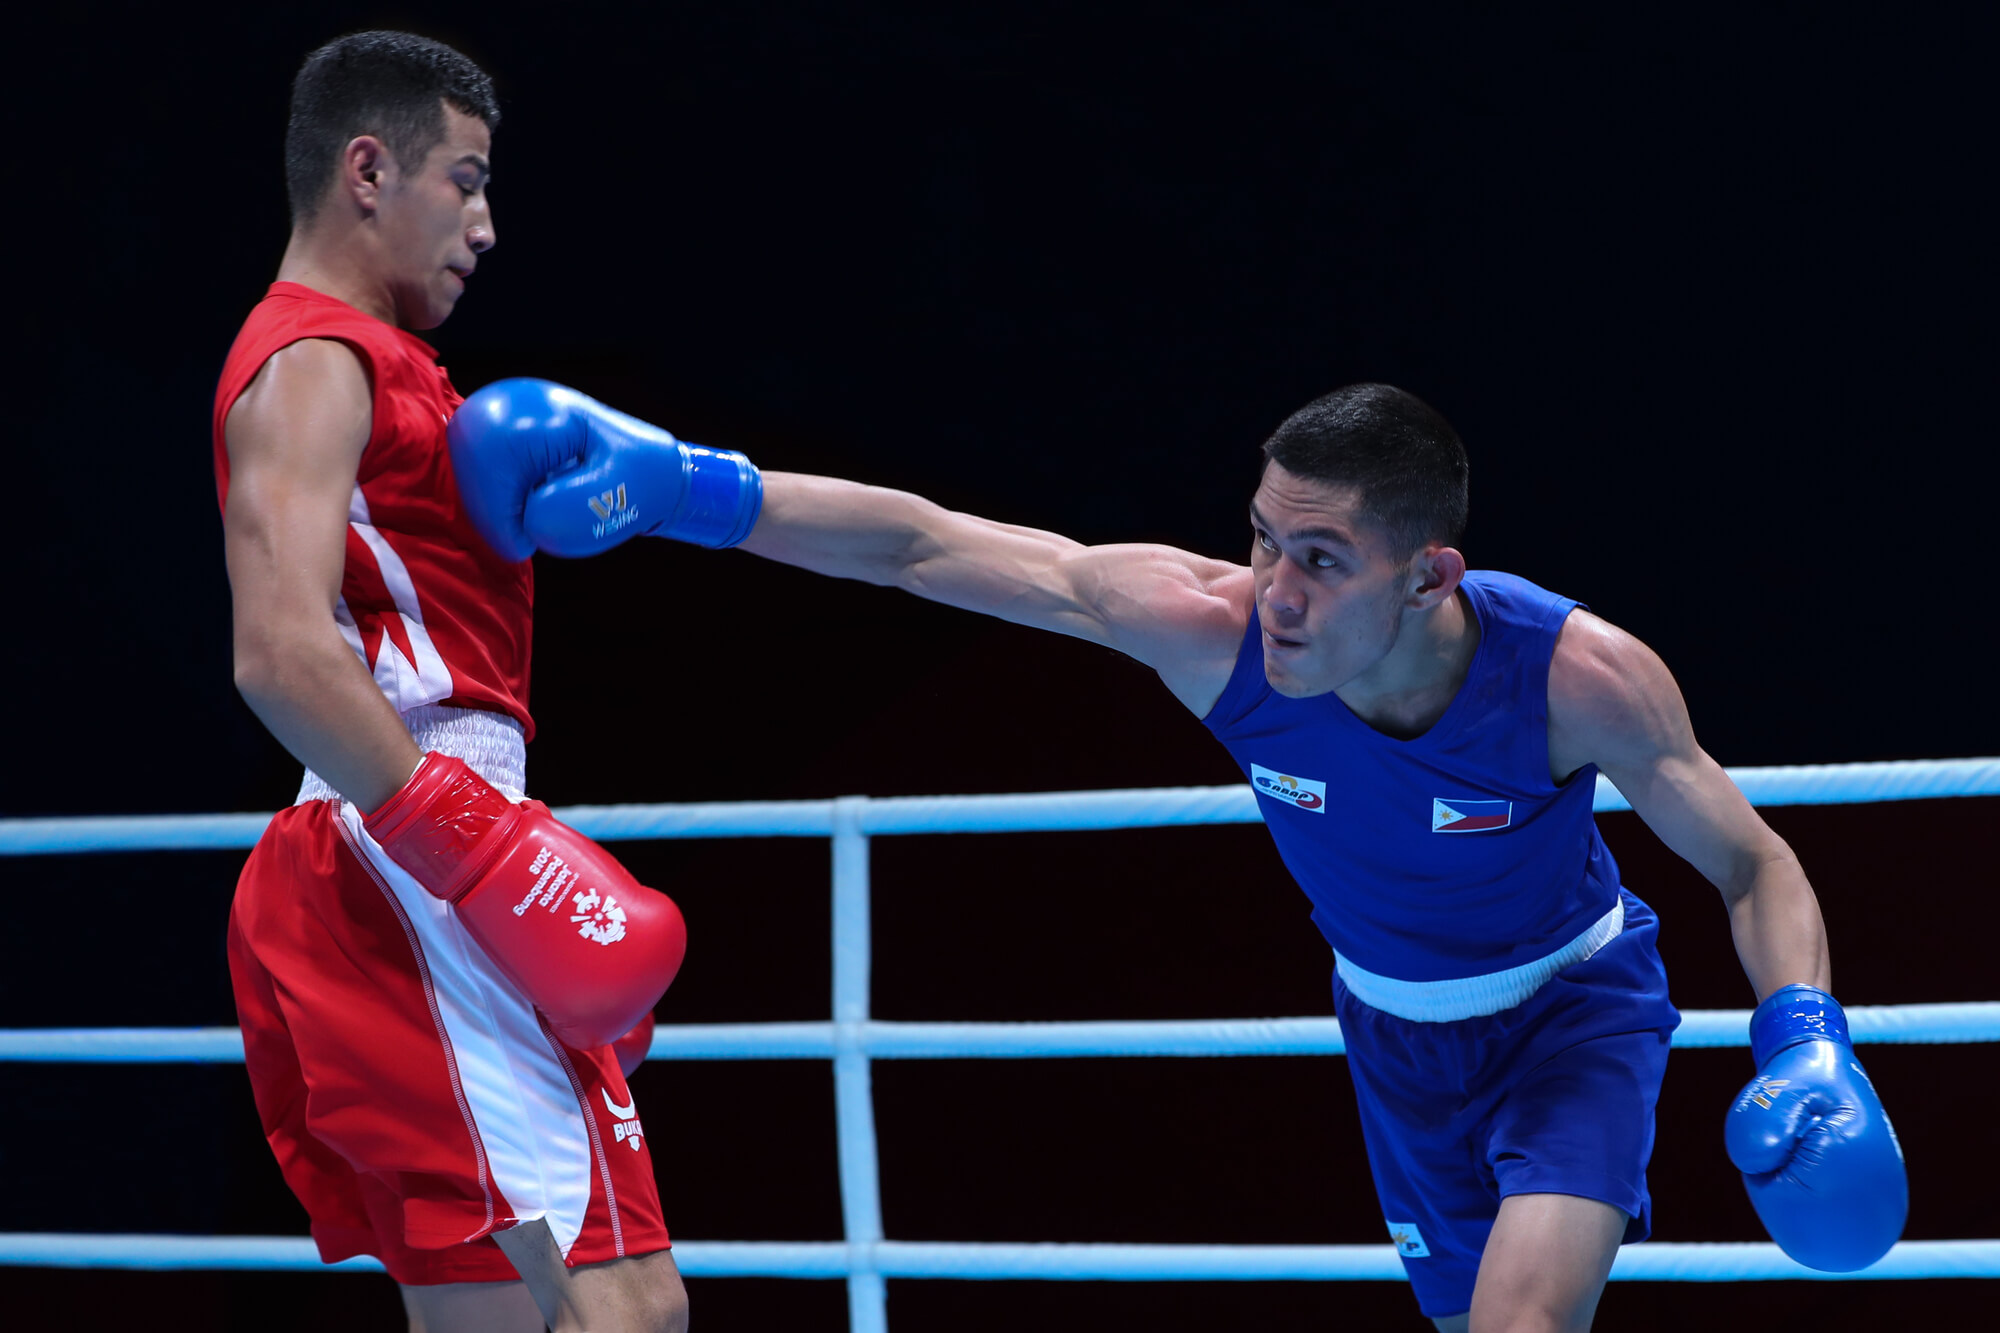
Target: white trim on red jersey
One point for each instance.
(408, 685)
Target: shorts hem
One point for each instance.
(1433, 1308)
(1622, 1195)
(1618, 1193)
(601, 1253)
(340, 1243)
(479, 1261)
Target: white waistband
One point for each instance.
(1474, 997)
(493, 744)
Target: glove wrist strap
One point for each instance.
(1794, 1014)
(722, 495)
(444, 826)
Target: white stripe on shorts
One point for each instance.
(523, 1104)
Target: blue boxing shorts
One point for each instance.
(1553, 1096)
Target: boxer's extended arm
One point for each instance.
(1613, 703)
(295, 438)
(1183, 615)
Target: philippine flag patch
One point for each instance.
(1470, 816)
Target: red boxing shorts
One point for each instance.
(414, 1098)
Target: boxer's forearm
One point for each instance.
(1162, 606)
(1780, 936)
(839, 528)
(896, 539)
(310, 690)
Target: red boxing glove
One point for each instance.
(592, 947)
(632, 1047)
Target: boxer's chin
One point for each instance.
(437, 309)
(1279, 677)
(1285, 679)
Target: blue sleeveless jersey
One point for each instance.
(1448, 856)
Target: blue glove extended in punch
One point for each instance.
(1809, 1134)
(544, 467)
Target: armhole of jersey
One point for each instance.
(1551, 633)
(361, 354)
(1239, 695)
(354, 345)
(366, 356)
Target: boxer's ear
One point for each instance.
(364, 166)
(1434, 575)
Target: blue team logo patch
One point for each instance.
(1470, 816)
(1299, 793)
(1409, 1241)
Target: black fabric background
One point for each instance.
(1708, 293)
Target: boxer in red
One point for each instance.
(428, 967)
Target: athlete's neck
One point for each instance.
(1406, 693)
(338, 267)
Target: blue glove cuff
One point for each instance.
(1794, 1014)
(724, 496)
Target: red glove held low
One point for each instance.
(592, 947)
(632, 1047)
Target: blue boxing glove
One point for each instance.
(544, 467)
(1809, 1134)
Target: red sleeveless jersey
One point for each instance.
(432, 611)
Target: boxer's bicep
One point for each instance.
(295, 441)
(295, 438)
(1162, 606)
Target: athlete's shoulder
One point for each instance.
(1210, 603)
(308, 371)
(1514, 595)
(1212, 617)
(291, 311)
(313, 389)
(289, 314)
(1225, 592)
(1500, 582)
(1607, 689)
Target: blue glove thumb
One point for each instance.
(507, 439)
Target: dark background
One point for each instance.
(1709, 296)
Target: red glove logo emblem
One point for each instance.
(599, 917)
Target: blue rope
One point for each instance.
(1033, 812)
(1651, 1262)
(1900, 1023)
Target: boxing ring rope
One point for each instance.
(852, 1040)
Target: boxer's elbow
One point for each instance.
(258, 668)
(275, 656)
(1768, 867)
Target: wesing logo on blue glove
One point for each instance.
(612, 512)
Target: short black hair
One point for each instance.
(390, 84)
(1392, 446)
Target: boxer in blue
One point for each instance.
(1425, 741)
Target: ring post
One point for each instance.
(854, 1103)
